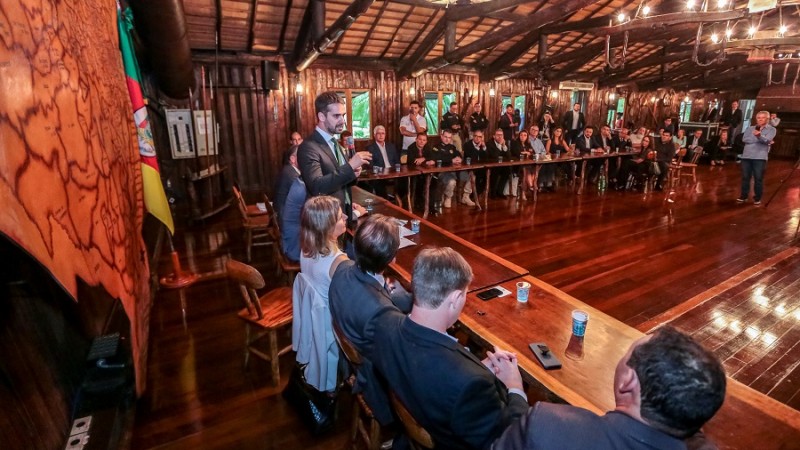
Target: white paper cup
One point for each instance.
(579, 321)
(523, 290)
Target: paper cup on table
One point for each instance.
(579, 321)
(523, 289)
(415, 225)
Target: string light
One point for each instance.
(782, 30)
(728, 33)
(621, 17)
(714, 38)
(646, 11)
(721, 3)
(752, 31)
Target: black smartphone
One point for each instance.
(546, 357)
(489, 294)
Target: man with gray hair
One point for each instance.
(463, 402)
(757, 141)
(384, 155)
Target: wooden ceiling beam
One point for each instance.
(372, 28)
(579, 25)
(460, 12)
(411, 63)
(332, 34)
(251, 33)
(286, 13)
(529, 23)
(663, 20)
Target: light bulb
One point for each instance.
(690, 4)
(714, 38)
(751, 31)
(646, 10)
(412, 91)
(728, 33)
(782, 29)
(780, 55)
(621, 17)
(721, 3)
(491, 92)
(299, 88)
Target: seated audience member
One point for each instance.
(622, 141)
(321, 224)
(417, 152)
(463, 402)
(718, 147)
(447, 153)
(498, 149)
(636, 138)
(667, 125)
(521, 148)
(585, 144)
(475, 151)
(605, 140)
(547, 173)
(289, 173)
(556, 147)
(359, 292)
(665, 151)
(680, 138)
(290, 219)
(665, 388)
(694, 144)
(638, 165)
(384, 154)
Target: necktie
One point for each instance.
(339, 152)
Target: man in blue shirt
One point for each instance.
(757, 141)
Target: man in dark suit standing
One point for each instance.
(324, 165)
(285, 180)
(573, 123)
(384, 154)
(359, 292)
(463, 402)
(732, 118)
(509, 123)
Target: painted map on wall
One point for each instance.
(70, 181)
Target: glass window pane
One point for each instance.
(359, 115)
(519, 104)
(432, 112)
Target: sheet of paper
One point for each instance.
(406, 232)
(401, 222)
(503, 291)
(261, 206)
(406, 242)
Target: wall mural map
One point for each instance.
(70, 180)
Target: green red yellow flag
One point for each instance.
(155, 200)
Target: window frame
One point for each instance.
(347, 94)
(433, 123)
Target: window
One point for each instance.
(358, 112)
(436, 104)
(580, 98)
(518, 102)
(685, 111)
(611, 119)
(748, 107)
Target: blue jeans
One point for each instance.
(753, 168)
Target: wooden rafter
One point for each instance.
(251, 34)
(461, 12)
(394, 35)
(427, 44)
(372, 28)
(286, 13)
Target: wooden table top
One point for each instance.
(388, 173)
(747, 419)
(488, 268)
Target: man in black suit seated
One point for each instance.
(417, 158)
(475, 150)
(359, 292)
(665, 388)
(585, 144)
(694, 144)
(384, 154)
(323, 163)
(498, 149)
(463, 402)
(287, 176)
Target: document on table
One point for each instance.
(406, 232)
(406, 242)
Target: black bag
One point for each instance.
(317, 409)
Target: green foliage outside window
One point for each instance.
(519, 104)
(432, 112)
(360, 116)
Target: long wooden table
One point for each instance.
(747, 420)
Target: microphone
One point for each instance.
(351, 146)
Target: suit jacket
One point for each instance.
(622, 144)
(548, 426)
(377, 157)
(567, 122)
(664, 151)
(356, 298)
(285, 180)
(493, 151)
(415, 152)
(475, 154)
(445, 388)
(611, 142)
(290, 219)
(506, 124)
(322, 173)
(700, 142)
(580, 144)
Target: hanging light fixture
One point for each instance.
(621, 17)
(714, 38)
(645, 10)
(491, 92)
(689, 4)
(412, 91)
(298, 88)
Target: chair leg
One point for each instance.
(273, 357)
(246, 345)
(248, 242)
(354, 427)
(374, 434)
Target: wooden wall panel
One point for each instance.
(70, 176)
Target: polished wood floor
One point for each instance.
(726, 273)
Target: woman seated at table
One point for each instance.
(556, 147)
(321, 225)
(638, 165)
(521, 148)
(718, 147)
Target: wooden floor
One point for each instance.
(724, 272)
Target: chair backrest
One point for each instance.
(698, 152)
(415, 431)
(240, 203)
(681, 153)
(249, 279)
(347, 347)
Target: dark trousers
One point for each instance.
(753, 168)
(572, 136)
(499, 178)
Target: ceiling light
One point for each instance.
(782, 30)
(752, 31)
(621, 17)
(690, 4)
(721, 3)
(728, 33)
(646, 10)
(714, 38)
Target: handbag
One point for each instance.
(316, 409)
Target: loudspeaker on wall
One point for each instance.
(270, 76)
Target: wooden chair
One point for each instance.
(252, 210)
(256, 227)
(269, 313)
(364, 423)
(674, 168)
(282, 263)
(420, 438)
(692, 164)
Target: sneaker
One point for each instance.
(741, 200)
(757, 202)
(448, 202)
(467, 201)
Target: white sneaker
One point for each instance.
(467, 201)
(448, 202)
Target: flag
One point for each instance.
(155, 200)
